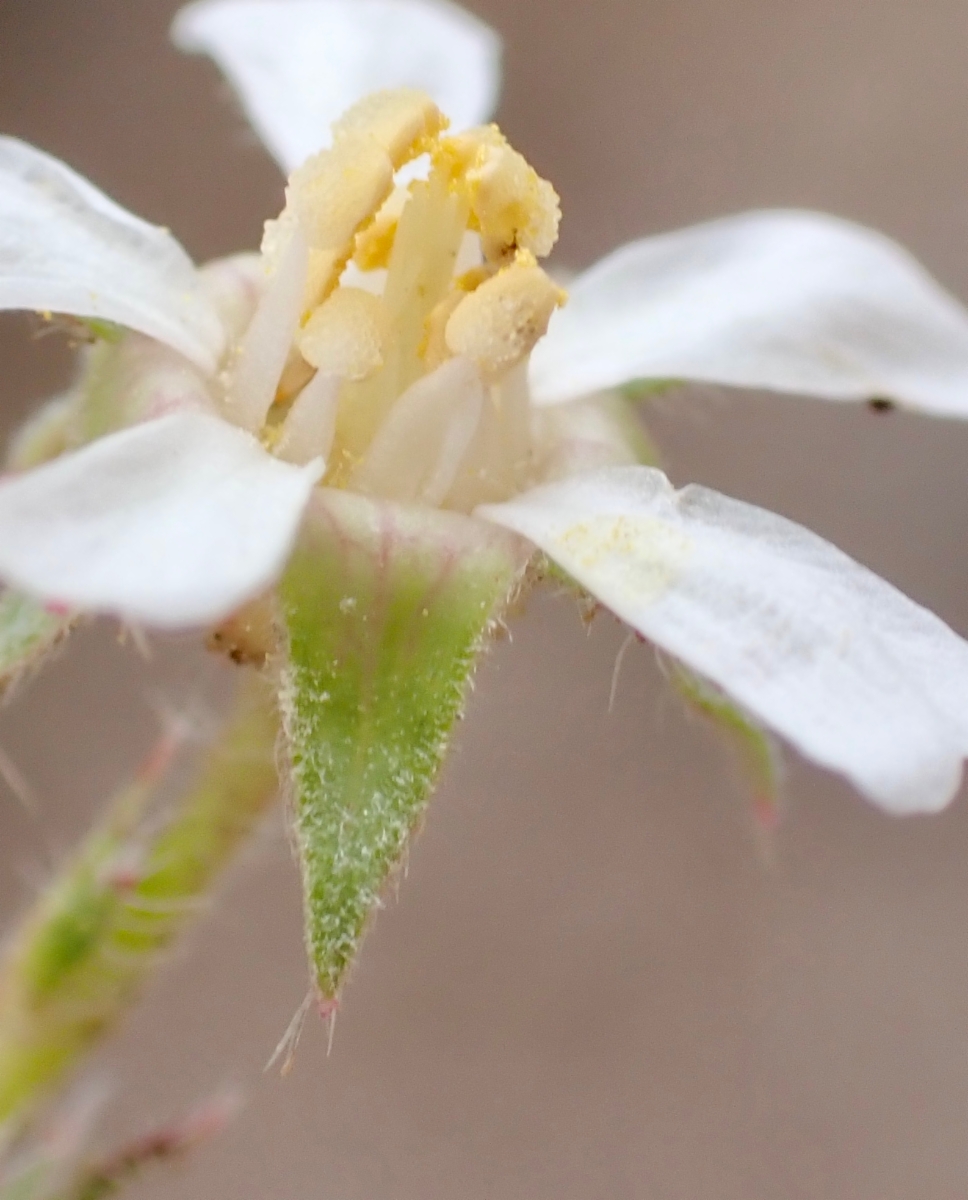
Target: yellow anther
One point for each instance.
(473, 278)
(497, 325)
(374, 243)
(337, 192)
(334, 193)
(479, 195)
(514, 208)
(402, 121)
(344, 336)
(434, 350)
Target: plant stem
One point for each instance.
(82, 954)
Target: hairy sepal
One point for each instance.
(28, 633)
(756, 752)
(386, 609)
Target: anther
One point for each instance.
(497, 325)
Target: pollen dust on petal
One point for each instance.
(636, 558)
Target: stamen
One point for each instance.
(420, 307)
(332, 195)
(401, 120)
(424, 437)
(375, 242)
(458, 435)
(258, 367)
(421, 269)
(308, 429)
(435, 348)
(498, 324)
(498, 461)
(344, 336)
(295, 375)
(513, 206)
(336, 192)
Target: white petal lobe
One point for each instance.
(298, 64)
(65, 247)
(857, 676)
(790, 301)
(175, 522)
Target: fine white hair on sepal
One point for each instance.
(175, 522)
(790, 301)
(65, 247)
(854, 674)
(296, 65)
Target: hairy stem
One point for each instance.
(83, 952)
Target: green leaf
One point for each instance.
(28, 631)
(386, 609)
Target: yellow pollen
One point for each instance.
(344, 336)
(513, 207)
(375, 241)
(497, 325)
(434, 349)
(417, 304)
(402, 121)
(337, 192)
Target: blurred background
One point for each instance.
(594, 982)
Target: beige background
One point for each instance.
(594, 985)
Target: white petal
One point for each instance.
(65, 247)
(298, 64)
(858, 677)
(791, 301)
(175, 522)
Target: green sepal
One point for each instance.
(642, 389)
(28, 632)
(45, 435)
(620, 409)
(103, 331)
(386, 609)
(756, 751)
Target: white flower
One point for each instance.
(181, 517)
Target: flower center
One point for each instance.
(415, 307)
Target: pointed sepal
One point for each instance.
(756, 752)
(386, 609)
(28, 632)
